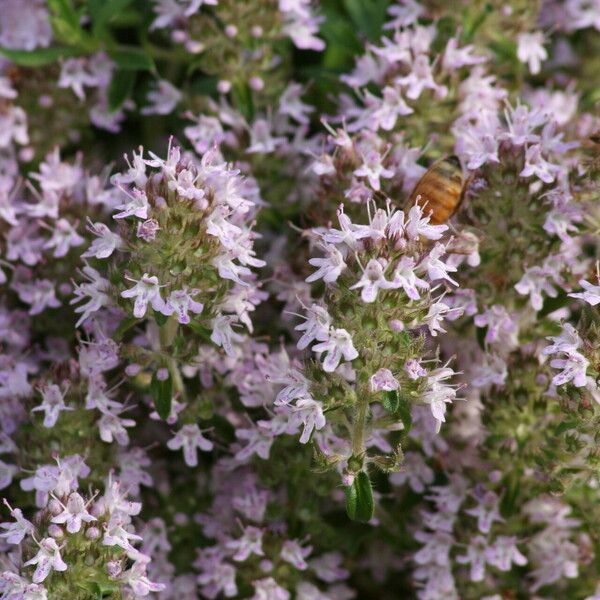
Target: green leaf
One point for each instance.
(120, 89)
(242, 99)
(404, 412)
(367, 16)
(38, 57)
(474, 20)
(65, 19)
(391, 401)
(162, 394)
(103, 11)
(160, 318)
(359, 499)
(131, 58)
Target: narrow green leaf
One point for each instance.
(124, 326)
(120, 88)
(130, 58)
(162, 394)
(404, 412)
(38, 57)
(104, 11)
(160, 318)
(359, 499)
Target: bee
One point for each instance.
(440, 191)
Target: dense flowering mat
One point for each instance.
(299, 300)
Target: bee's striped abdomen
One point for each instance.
(439, 191)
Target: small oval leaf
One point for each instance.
(162, 393)
(359, 499)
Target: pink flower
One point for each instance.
(383, 380)
(339, 344)
(145, 291)
(47, 559)
(74, 514)
(190, 438)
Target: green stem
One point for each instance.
(360, 423)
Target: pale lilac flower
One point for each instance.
(503, 552)
(145, 291)
(53, 402)
(383, 380)
(418, 225)
(535, 280)
(147, 230)
(190, 439)
(250, 543)
(439, 394)
(137, 206)
(269, 589)
(372, 169)
(137, 579)
(437, 313)
(436, 269)
(414, 370)
(389, 108)
(349, 233)
(329, 268)
(163, 98)
(293, 553)
(309, 412)
(420, 78)
(96, 289)
(316, 326)
(373, 279)
(406, 278)
(181, 302)
(64, 237)
(224, 335)
(218, 579)
(535, 164)
(105, 244)
(291, 105)
(25, 25)
(113, 427)
(486, 511)
(74, 514)
(591, 294)
(47, 559)
(415, 471)
(39, 294)
(136, 173)
(455, 57)
(476, 557)
(14, 533)
(530, 50)
(574, 368)
(339, 344)
(327, 567)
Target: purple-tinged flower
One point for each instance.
(190, 439)
(502, 327)
(14, 533)
(373, 279)
(147, 230)
(47, 559)
(163, 98)
(436, 269)
(53, 402)
(113, 427)
(338, 344)
(293, 553)
(530, 50)
(535, 280)
(137, 579)
(105, 244)
(309, 412)
(329, 268)
(574, 368)
(316, 327)
(96, 289)
(476, 557)
(535, 164)
(136, 173)
(291, 105)
(414, 370)
(181, 302)
(503, 552)
(40, 294)
(418, 225)
(420, 78)
(439, 394)
(145, 291)
(74, 514)
(591, 294)
(372, 169)
(250, 543)
(455, 57)
(383, 380)
(218, 579)
(437, 313)
(224, 335)
(269, 589)
(64, 237)
(406, 278)
(137, 206)
(25, 25)
(388, 109)
(327, 567)
(486, 511)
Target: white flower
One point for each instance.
(53, 402)
(47, 559)
(106, 243)
(137, 206)
(316, 326)
(330, 268)
(373, 280)
(383, 380)
(530, 50)
(591, 294)
(74, 514)
(224, 335)
(190, 438)
(405, 277)
(338, 344)
(145, 291)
